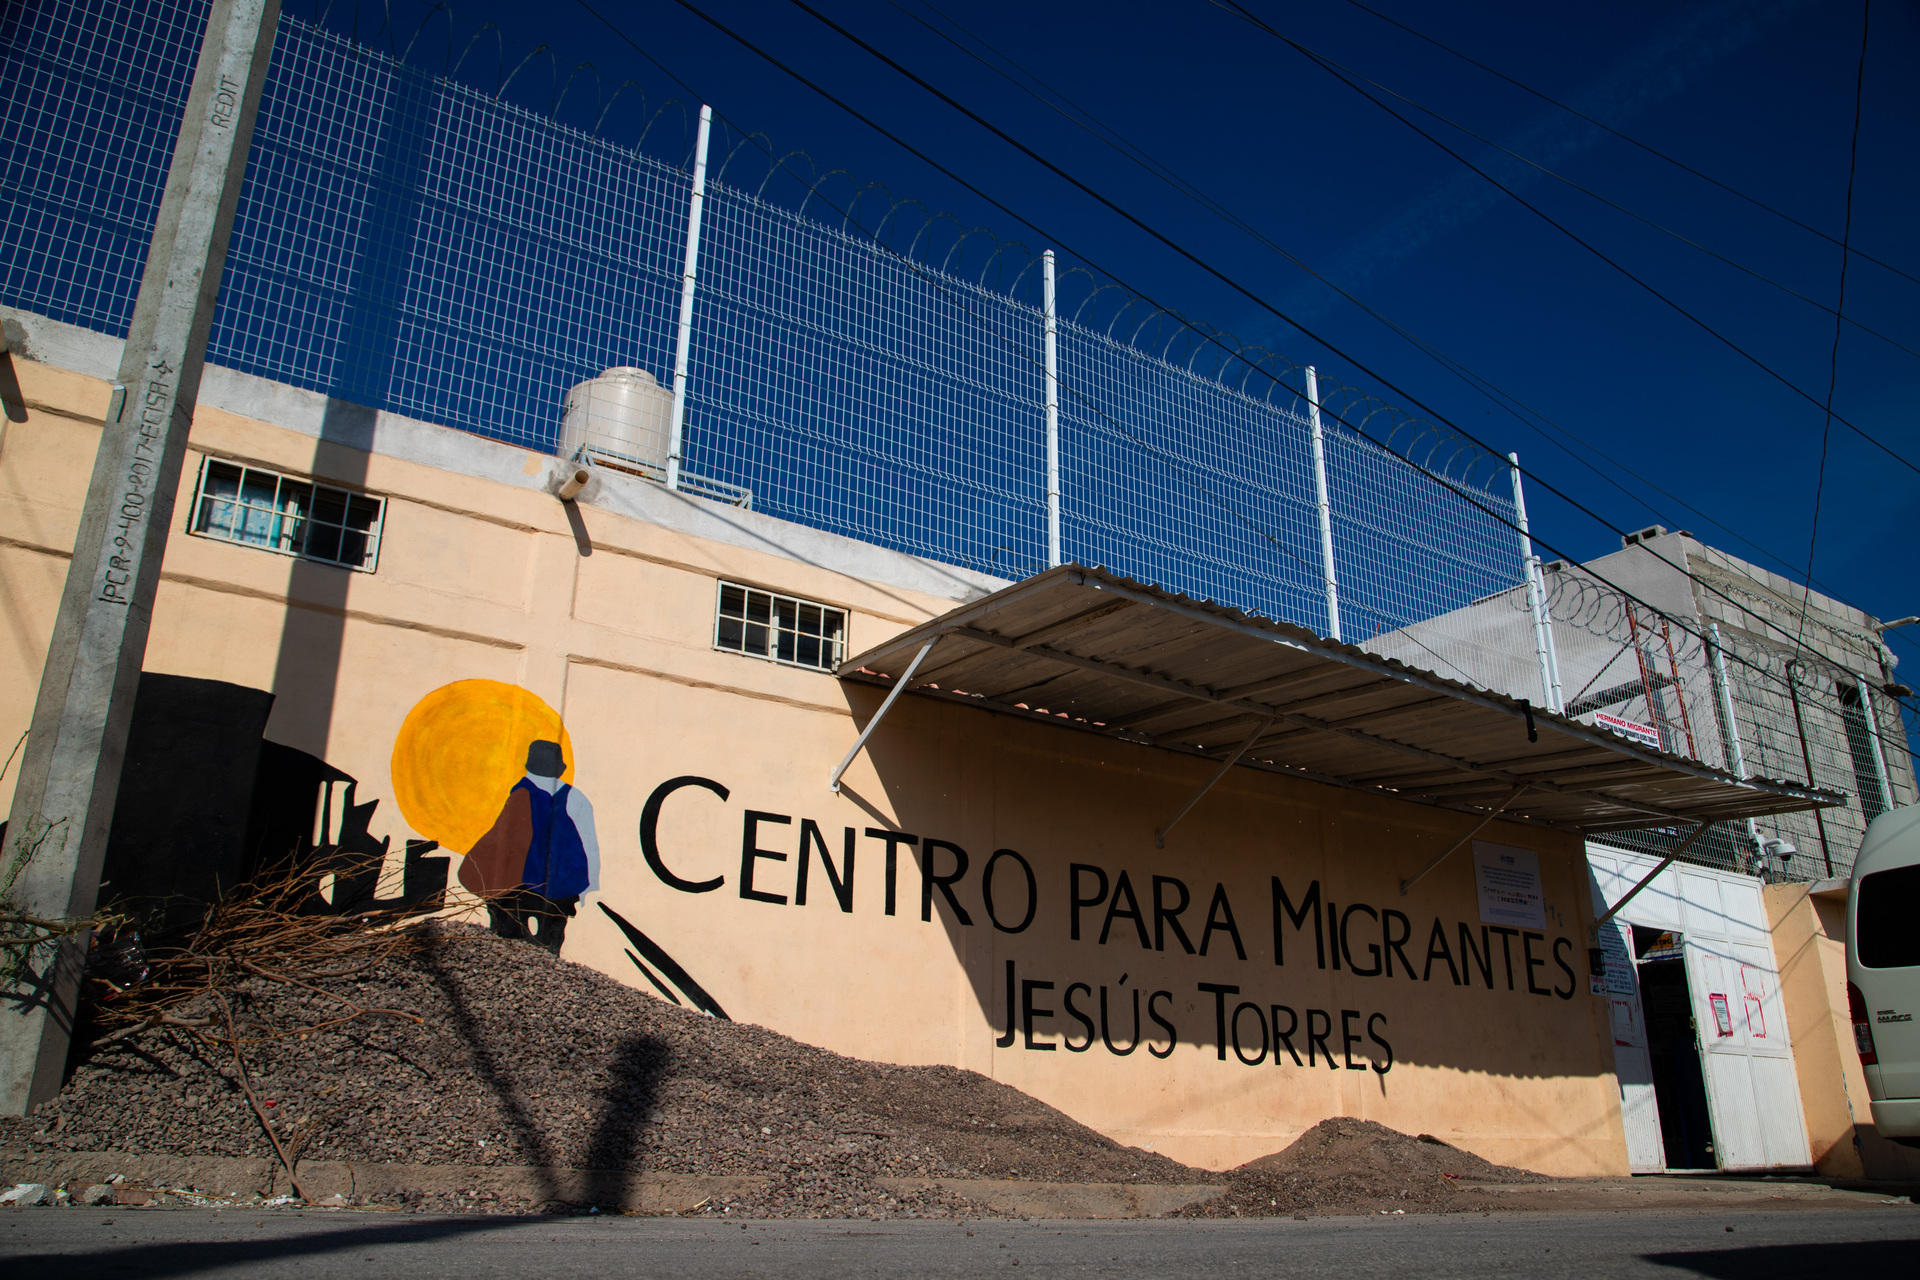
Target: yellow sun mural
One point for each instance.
(461, 749)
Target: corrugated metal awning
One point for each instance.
(1089, 650)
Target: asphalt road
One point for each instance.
(74, 1244)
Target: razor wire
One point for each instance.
(408, 242)
(411, 243)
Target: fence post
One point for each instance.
(1723, 694)
(70, 774)
(1326, 508)
(1536, 599)
(1806, 758)
(1053, 409)
(1873, 736)
(677, 429)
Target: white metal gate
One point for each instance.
(1753, 1095)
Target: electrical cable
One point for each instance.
(1257, 300)
(1507, 402)
(1348, 79)
(1626, 138)
(1833, 365)
(1360, 433)
(1618, 207)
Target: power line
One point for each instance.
(1348, 78)
(1359, 432)
(1626, 138)
(1833, 364)
(1620, 208)
(1258, 301)
(1508, 403)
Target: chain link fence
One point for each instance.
(413, 243)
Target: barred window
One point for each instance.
(765, 625)
(293, 517)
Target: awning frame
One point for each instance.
(1448, 790)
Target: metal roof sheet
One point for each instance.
(1094, 651)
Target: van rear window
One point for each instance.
(1886, 919)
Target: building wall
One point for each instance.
(494, 618)
(1810, 940)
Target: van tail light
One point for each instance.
(1862, 1028)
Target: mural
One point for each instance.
(207, 803)
(452, 766)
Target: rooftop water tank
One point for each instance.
(622, 419)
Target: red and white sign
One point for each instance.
(1645, 734)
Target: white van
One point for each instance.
(1883, 970)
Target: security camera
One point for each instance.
(1778, 848)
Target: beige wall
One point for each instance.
(1810, 942)
(481, 578)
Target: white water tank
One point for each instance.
(622, 418)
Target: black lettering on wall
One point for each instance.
(840, 882)
(1028, 1012)
(986, 891)
(928, 880)
(1396, 943)
(1333, 927)
(1481, 955)
(894, 840)
(1106, 1028)
(1437, 950)
(1284, 910)
(1564, 967)
(1220, 994)
(1507, 935)
(1319, 1027)
(750, 853)
(1347, 953)
(1239, 1050)
(1173, 1036)
(1527, 940)
(1073, 893)
(1073, 1011)
(1380, 1040)
(1285, 1037)
(1350, 1038)
(1006, 1037)
(650, 834)
(1163, 915)
(1220, 916)
(1123, 888)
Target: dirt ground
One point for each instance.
(522, 1060)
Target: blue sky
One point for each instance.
(1759, 95)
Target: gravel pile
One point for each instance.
(1344, 1165)
(523, 1059)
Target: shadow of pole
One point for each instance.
(630, 1100)
(496, 1073)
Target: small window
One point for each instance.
(1884, 907)
(293, 517)
(780, 628)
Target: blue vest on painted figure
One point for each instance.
(556, 858)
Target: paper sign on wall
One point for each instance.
(1619, 961)
(1722, 1015)
(1509, 882)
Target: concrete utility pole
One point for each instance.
(70, 775)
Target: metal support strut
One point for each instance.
(1160, 836)
(899, 687)
(689, 273)
(1053, 410)
(1665, 862)
(1453, 848)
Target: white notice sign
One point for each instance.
(1509, 882)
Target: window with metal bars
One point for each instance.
(780, 628)
(265, 509)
